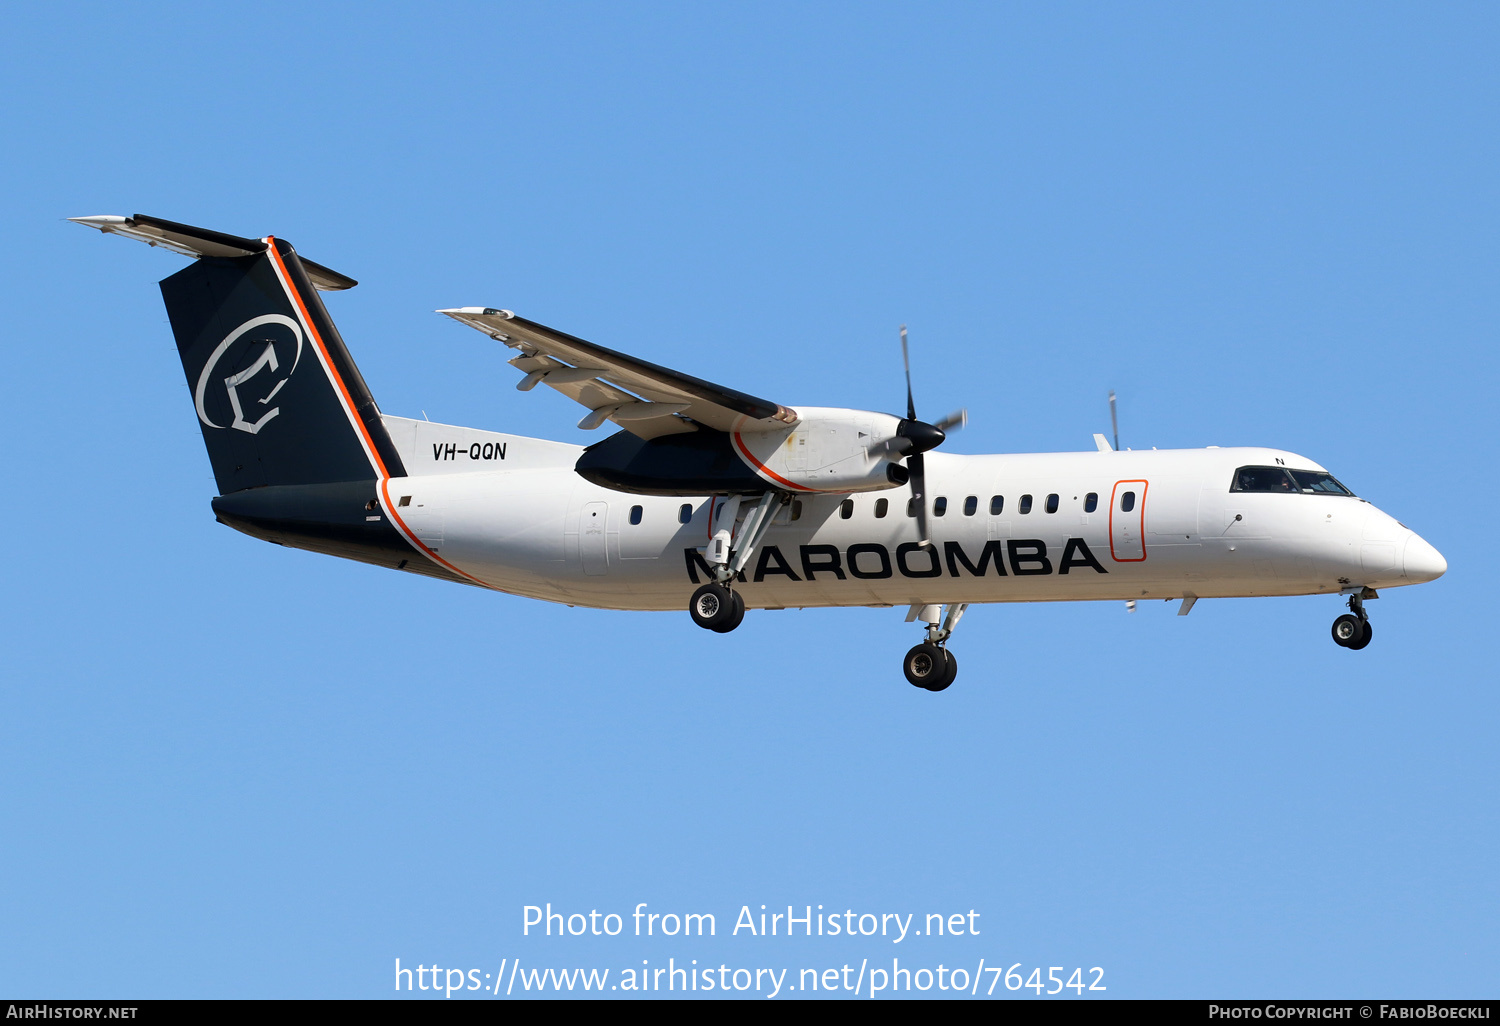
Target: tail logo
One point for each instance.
(251, 363)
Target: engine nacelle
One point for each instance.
(827, 450)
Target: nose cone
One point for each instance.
(1421, 562)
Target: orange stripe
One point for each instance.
(307, 321)
(353, 414)
(390, 509)
(749, 457)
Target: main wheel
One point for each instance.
(735, 618)
(1347, 630)
(926, 665)
(712, 606)
(1364, 639)
(949, 676)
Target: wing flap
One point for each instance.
(622, 379)
(603, 400)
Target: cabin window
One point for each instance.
(685, 514)
(405, 501)
(1091, 502)
(882, 507)
(997, 505)
(846, 508)
(940, 506)
(635, 515)
(1127, 502)
(1052, 503)
(1025, 504)
(971, 505)
(911, 506)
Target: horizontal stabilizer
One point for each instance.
(202, 242)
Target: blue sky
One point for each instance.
(229, 769)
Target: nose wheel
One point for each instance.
(1353, 630)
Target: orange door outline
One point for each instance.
(1139, 513)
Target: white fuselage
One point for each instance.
(510, 513)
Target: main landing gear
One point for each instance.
(716, 606)
(1352, 630)
(930, 665)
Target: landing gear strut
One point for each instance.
(930, 665)
(1352, 630)
(717, 606)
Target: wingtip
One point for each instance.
(476, 311)
(100, 221)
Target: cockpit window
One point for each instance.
(1279, 479)
(1261, 479)
(1318, 483)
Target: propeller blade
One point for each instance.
(911, 406)
(954, 421)
(916, 437)
(917, 466)
(898, 445)
(1114, 422)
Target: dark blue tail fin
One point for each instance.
(297, 444)
(278, 398)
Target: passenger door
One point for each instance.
(591, 538)
(1127, 511)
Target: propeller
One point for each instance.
(915, 437)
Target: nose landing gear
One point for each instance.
(1352, 630)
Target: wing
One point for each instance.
(641, 397)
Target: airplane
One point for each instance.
(718, 500)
